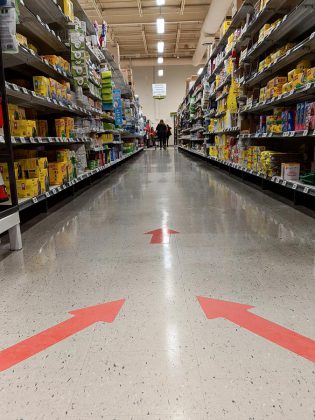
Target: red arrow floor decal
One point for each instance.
(82, 319)
(161, 236)
(238, 314)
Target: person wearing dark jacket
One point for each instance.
(161, 131)
(169, 133)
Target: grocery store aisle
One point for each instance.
(161, 358)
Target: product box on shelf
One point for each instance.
(290, 171)
(28, 188)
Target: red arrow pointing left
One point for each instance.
(239, 314)
(82, 319)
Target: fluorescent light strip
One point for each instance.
(161, 73)
(160, 25)
(160, 46)
(160, 60)
(160, 2)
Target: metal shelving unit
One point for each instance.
(302, 94)
(304, 48)
(297, 21)
(72, 186)
(32, 26)
(293, 186)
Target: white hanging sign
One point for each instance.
(159, 91)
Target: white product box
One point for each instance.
(290, 171)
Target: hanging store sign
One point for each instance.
(159, 91)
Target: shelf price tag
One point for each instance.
(305, 133)
(35, 200)
(284, 183)
(53, 191)
(32, 140)
(294, 186)
(22, 140)
(13, 140)
(306, 190)
(25, 91)
(277, 180)
(15, 87)
(47, 194)
(51, 140)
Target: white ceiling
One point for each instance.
(132, 24)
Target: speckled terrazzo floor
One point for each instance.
(161, 358)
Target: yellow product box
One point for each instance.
(310, 75)
(41, 85)
(32, 47)
(268, 94)
(213, 151)
(271, 84)
(42, 128)
(63, 91)
(34, 163)
(68, 9)
(60, 125)
(277, 91)
(303, 65)
(63, 155)
(276, 128)
(230, 40)
(58, 173)
(268, 60)
(28, 188)
(225, 26)
(21, 39)
(279, 81)
(54, 60)
(23, 128)
(298, 81)
(261, 65)
(275, 23)
(287, 87)
(69, 126)
(35, 173)
(52, 88)
(59, 88)
(4, 171)
(13, 112)
(44, 180)
(262, 94)
(291, 75)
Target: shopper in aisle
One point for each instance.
(169, 133)
(161, 131)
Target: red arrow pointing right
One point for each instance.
(82, 318)
(239, 315)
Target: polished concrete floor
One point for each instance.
(161, 358)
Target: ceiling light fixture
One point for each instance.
(160, 46)
(160, 60)
(160, 2)
(160, 25)
(161, 73)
